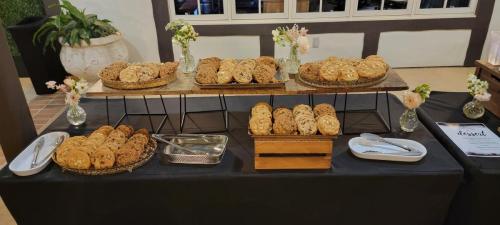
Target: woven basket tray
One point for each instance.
(145, 157)
(139, 85)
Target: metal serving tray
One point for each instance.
(200, 148)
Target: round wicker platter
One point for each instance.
(358, 83)
(145, 157)
(139, 85)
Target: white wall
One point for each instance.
(349, 45)
(494, 25)
(424, 48)
(134, 18)
(223, 46)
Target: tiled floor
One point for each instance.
(44, 109)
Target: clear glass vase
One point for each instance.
(409, 120)
(474, 109)
(293, 61)
(76, 115)
(187, 63)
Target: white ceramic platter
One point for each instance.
(22, 163)
(365, 149)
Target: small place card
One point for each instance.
(474, 139)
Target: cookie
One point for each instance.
(375, 57)
(371, 69)
(146, 73)
(284, 125)
(243, 75)
(206, 74)
(112, 71)
(266, 60)
(143, 131)
(262, 110)
(301, 109)
(260, 125)
(127, 130)
(328, 125)
(306, 125)
(167, 69)
(129, 74)
(77, 159)
(264, 74)
(126, 155)
(103, 158)
(348, 73)
(282, 112)
(329, 72)
(323, 109)
(212, 61)
(105, 130)
(310, 71)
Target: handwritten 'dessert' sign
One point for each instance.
(474, 139)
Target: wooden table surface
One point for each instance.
(185, 85)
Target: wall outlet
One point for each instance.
(315, 42)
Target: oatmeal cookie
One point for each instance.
(243, 75)
(328, 125)
(212, 61)
(284, 125)
(206, 74)
(267, 60)
(306, 125)
(112, 71)
(264, 74)
(130, 74)
(146, 73)
(310, 71)
(126, 129)
(282, 112)
(371, 69)
(168, 69)
(261, 110)
(77, 159)
(329, 72)
(260, 125)
(324, 109)
(225, 74)
(143, 131)
(375, 57)
(104, 130)
(103, 158)
(115, 139)
(301, 109)
(126, 155)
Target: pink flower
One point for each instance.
(51, 84)
(69, 82)
(303, 31)
(484, 97)
(72, 98)
(303, 44)
(62, 88)
(412, 100)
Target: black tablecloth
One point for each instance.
(477, 201)
(354, 191)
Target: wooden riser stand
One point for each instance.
(301, 153)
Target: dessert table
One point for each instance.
(477, 199)
(355, 191)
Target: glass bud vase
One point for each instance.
(293, 61)
(474, 109)
(409, 120)
(76, 115)
(187, 63)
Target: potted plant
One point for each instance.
(88, 43)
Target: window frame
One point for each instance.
(383, 12)
(259, 15)
(201, 17)
(439, 11)
(311, 15)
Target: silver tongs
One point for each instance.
(160, 137)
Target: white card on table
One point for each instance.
(474, 139)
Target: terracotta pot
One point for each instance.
(85, 61)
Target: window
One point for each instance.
(320, 8)
(259, 9)
(198, 9)
(383, 7)
(300, 11)
(446, 6)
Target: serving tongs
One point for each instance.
(163, 138)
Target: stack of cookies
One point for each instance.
(216, 71)
(103, 149)
(339, 70)
(139, 72)
(301, 120)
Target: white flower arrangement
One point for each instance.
(183, 32)
(413, 99)
(73, 87)
(478, 88)
(293, 37)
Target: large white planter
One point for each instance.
(85, 61)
